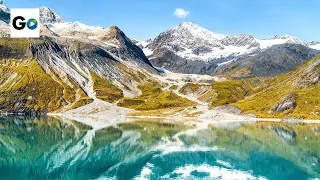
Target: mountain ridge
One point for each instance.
(4, 12)
(189, 33)
(47, 15)
(274, 61)
(204, 51)
(74, 68)
(78, 69)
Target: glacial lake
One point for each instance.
(61, 148)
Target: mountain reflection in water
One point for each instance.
(60, 148)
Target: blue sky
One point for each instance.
(144, 19)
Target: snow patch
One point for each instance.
(268, 43)
(74, 26)
(316, 46)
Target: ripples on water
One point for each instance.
(58, 148)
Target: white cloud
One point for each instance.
(181, 13)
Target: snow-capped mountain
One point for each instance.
(47, 15)
(273, 61)
(79, 62)
(74, 29)
(192, 42)
(189, 48)
(52, 24)
(314, 44)
(3, 7)
(4, 12)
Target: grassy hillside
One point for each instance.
(228, 92)
(153, 97)
(300, 88)
(27, 88)
(105, 90)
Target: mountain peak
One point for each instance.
(47, 15)
(284, 36)
(115, 28)
(188, 23)
(113, 34)
(4, 12)
(3, 7)
(291, 39)
(196, 30)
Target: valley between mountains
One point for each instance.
(188, 71)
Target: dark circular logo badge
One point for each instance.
(32, 24)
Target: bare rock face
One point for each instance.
(47, 15)
(281, 59)
(273, 61)
(285, 103)
(45, 31)
(126, 48)
(311, 76)
(4, 29)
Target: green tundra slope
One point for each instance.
(26, 88)
(47, 75)
(294, 94)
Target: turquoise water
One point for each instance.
(58, 148)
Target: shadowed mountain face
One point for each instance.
(4, 12)
(273, 61)
(170, 61)
(128, 49)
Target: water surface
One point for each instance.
(60, 148)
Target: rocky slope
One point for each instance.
(57, 75)
(47, 15)
(294, 94)
(273, 61)
(62, 71)
(202, 50)
(291, 95)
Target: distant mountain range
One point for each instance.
(273, 61)
(189, 48)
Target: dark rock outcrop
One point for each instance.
(285, 103)
(167, 59)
